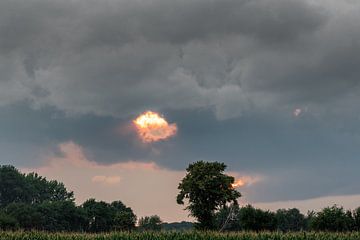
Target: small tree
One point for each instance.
(152, 223)
(207, 189)
(124, 218)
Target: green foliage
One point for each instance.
(32, 202)
(207, 189)
(356, 216)
(8, 222)
(332, 219)
(124, 218)
(16, 187)
(40, 190)
(12, 185)
(102, 217)
(227, 218)
(152, 223)
(252, 219)
(180, 236)
(290, 220)
(246, 218)
(48, 216)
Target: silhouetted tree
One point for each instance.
(152, 223)
(227, 218)
(333, 219)
(207, 189)
(356, 216)
(31, 202)
(124, 218)
(16, 187)
(252, 219)
(102, 216)
(290, 220)
(8, 222)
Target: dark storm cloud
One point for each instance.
(229, 73)
(121, 57)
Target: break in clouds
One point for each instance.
(119, 58)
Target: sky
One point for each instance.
(269, 87)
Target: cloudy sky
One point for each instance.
(270, 87)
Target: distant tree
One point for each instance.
(333, 219)
(177, 226)
(309, 219)
(124, 218)
(290, 220)
(152, 223)
(252, 219)
(207, 189)
(99, 216)
(102, 216)
(61, 216)
(227, 218)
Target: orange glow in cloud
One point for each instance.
(151, 127)
(238, 183)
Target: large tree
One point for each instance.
(207, 189)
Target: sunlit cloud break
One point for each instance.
(244, 181)
(151, 127)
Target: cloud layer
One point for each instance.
(123, 57)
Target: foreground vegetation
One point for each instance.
(181, 236)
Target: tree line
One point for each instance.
(31, 202)
(248, 218)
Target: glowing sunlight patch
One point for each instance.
(151, 127)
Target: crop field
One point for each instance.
(180, 236)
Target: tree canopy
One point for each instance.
(207, 189)
(150, 223)
(16, 187)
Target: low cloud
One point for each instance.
(106, 179)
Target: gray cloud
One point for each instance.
(121, 57)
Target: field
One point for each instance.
(179, 236)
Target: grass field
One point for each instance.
(179, 236)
